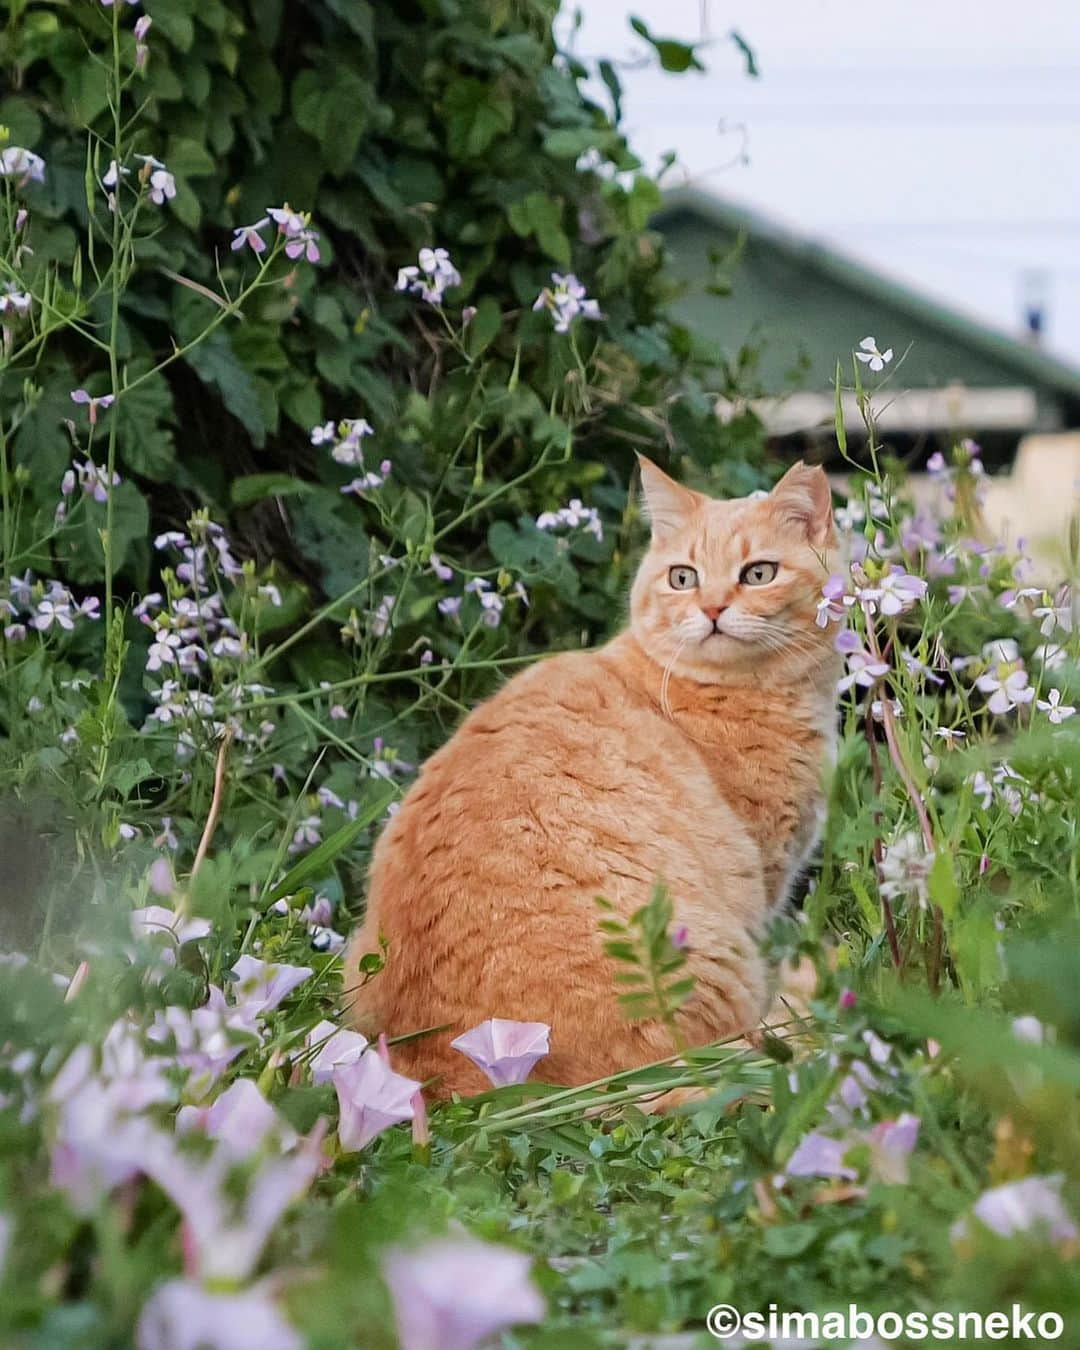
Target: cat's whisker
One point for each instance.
(665, 681)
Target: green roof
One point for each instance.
(797, 281)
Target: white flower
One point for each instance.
(435, 274)
(565, 299)
(1008, 689)
(870, 356)
(15, 162)
(905, 869)
(1052, 705)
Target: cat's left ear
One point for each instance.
(804, 499)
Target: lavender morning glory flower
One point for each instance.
(240, 1121)
(226, 1233)
(819, 1156)
(1023, 1206)
(334, 1049)
(182, 1315)
(261, 985)
(371, 1098)
(505, 1050)
(456, 1292)
(154, 919)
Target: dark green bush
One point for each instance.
(398, 124)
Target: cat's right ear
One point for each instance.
(668, 504)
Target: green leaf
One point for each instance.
(256, 487)
(331, 104)
(944, 891)
(318, 861)
(217, 365)
(483, 325)
(674, 56)
(475, 113)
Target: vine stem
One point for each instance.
(215, 803)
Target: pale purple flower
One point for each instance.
(92, 404)
(334, 1049)
(154, 919)
(575, 515)
(261, 985)
(23, 165)
(506, 1051)
(894, 593)
(431, 278)
(183, 1315)
(14, 301)
(1058, 614)
(450, 604)
(113, 174)
(454, 1293)
(325, 434)
(289, 222)
(565, 300)
(864, 670)
(833, 606)
(1055, 710)
(891, 1144)
(207, 1039)
(226, 1233)
(249, 235)
(1023, 1206)
(142, 51)
(52, 611)
(306, 834)
(819, 1156)
(1008, 689)
(371, 1098)
(305, 244)
(241, 1121)
(171, 539)
(917, 669)
(162, 183)
(163, 649)
(871, 356)
(441, 570)
(1029, 1029)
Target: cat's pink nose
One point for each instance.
(713, 612)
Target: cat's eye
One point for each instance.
(682, 578)
(759, 573)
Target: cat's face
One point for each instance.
(732, 585)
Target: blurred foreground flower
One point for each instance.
(182, 1315)
(454, 1293)
(1023, 1206)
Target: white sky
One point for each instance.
(938, 140)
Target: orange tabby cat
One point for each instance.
(689, 750)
